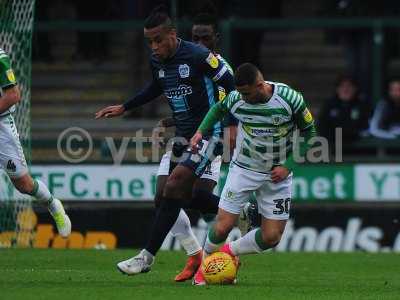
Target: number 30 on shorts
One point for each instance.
(282, 206)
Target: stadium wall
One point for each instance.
(346, 227)
(347, 207)
(132, 183)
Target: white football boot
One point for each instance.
(140, 263)
(61, 219)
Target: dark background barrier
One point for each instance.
(312, 227)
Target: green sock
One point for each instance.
(214, 238)
(259, 240)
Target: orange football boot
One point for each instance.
(192, 265)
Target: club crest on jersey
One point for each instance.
(276, 120)
(161, 73)
(10, 75)
(184, 71)
(212, 61)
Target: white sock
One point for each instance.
(246, 244)
(209, 247)
(41, 192)
(184, 234)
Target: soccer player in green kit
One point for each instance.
(12, 159)
(268, 113)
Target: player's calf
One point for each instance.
(219, 232)
(38, 190)
(24, 184)
(270, 239)
(260, 239)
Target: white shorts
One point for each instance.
(12, 159)
(273, 199)
(211, 172)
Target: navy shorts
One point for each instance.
(199, 162)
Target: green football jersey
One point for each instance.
(7, 77)
(265, 131)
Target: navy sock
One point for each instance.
(205, 202)
(166, 216)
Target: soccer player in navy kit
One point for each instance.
(204, 32)
(187, 74)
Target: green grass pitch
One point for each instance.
(91, 274)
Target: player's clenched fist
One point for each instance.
(195, 140)
(110, 111)
(279, 173)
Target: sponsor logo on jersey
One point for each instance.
(262, 131)
(11, 166)
(182, 90)
(259, 131)
(184, 71)
(212, 61)
(161, 73)
(10, 76)
(307, 116)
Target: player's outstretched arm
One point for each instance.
(149, 93)
(9, 97)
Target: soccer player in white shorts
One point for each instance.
(12, 159)
(268, 115)
(273, 199)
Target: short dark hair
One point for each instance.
(159, 16)
(206, 19)
(246, 74)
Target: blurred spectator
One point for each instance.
(345, 110)
(385, 122)
(358, 42)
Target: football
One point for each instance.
(219, 268)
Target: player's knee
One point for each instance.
(171, 189)
(24, 188)
(222, 229)
(271, 238)
(177, 188)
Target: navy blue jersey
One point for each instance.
(189, 81)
